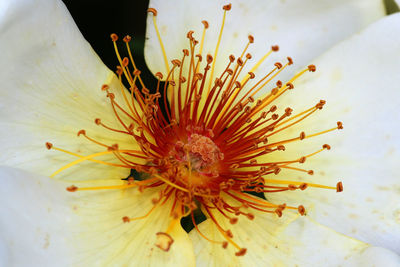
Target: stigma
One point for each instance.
(207, 140)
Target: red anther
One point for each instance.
(288, 111)
(189, 35)
(312, 68)
(233, 220)
(277, 170)
(301, 210)
(229, 233)
(320, 104)
(111, 96)
(136, 72)
(241, 252)
(279, 84)
(278, 212)
(224, 244)
(199, 57)
(81, 132)
(119, 71)
(302, 160)
(127, 39)
(302, 135)
(339, 187)
(198, 76)
(231, 58)
(326, 146)
(182, 79)
(275, 48)
(152, 10)
(292, 187)
(252, 75)
(209, 58)
(125, 61)
(251, 38)
(278, 65)
(303, 186)
(310, 172)
(176, 62)
(185, 52)
(159, 75)
(125, 219)
(281, 148)
(248, 56)
(105, 87)
(250, 216)
(72, 188)
(114, 37)
(113, 147)
(290, 60)
(205, 23)
(274, 116)
(238, 85)
(273, 108)
(239, 62)
(290, 86)
(339, 125)
(49, 145)
(227, 7)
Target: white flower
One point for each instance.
(51, 82)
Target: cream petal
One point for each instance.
(359, 79)
(374, 256)
(51, 89)
(85, 228)
(302, 30)
(271, 241)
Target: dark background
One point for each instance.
(98, 19)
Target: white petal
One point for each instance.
(302, 29)
(272, 241)
(51, 89)
(360, 80)
(54, 227)
(375, 256)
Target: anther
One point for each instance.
(241, 252)
(125, 61)
(302, 135)
(281, 148)
(339, 187)
(321, 104)
(164, 241)
(209, 58)
(105, 87)
(303, 186)
(279, 83)
(159, 75)
(278, 65)
(113, 147)
(248, 56)
(252, 75)
(231, 58)
(290, 60)
(199, 57)
(136, 72)
(310, 172)
(273, 108)
(127, 39)
(251, 38)
(275, 48)
(239, 62)
(152, 10)
(189, 35)
(185, 52)
(278, 212)
(233, 220)
(176, 62)
(301, 210)
(302, 160)
(72, 188)
(339, 125)
(224, 244)
(49, 145)
(205, 23)
(227, 7)
(81, 132)
(114, 37)
(326, 146)
(290, 86)
(312, 68)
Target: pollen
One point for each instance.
(208, 141)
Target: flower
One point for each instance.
(48, 92)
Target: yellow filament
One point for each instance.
(87, 158)
(93, 188)
(94, 160)
(133, 64)
(287, 182)
(170, 183)
(216, 52)
(144, 216)
(161, 43)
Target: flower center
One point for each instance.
(213, 144)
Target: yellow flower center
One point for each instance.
(209, 145)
